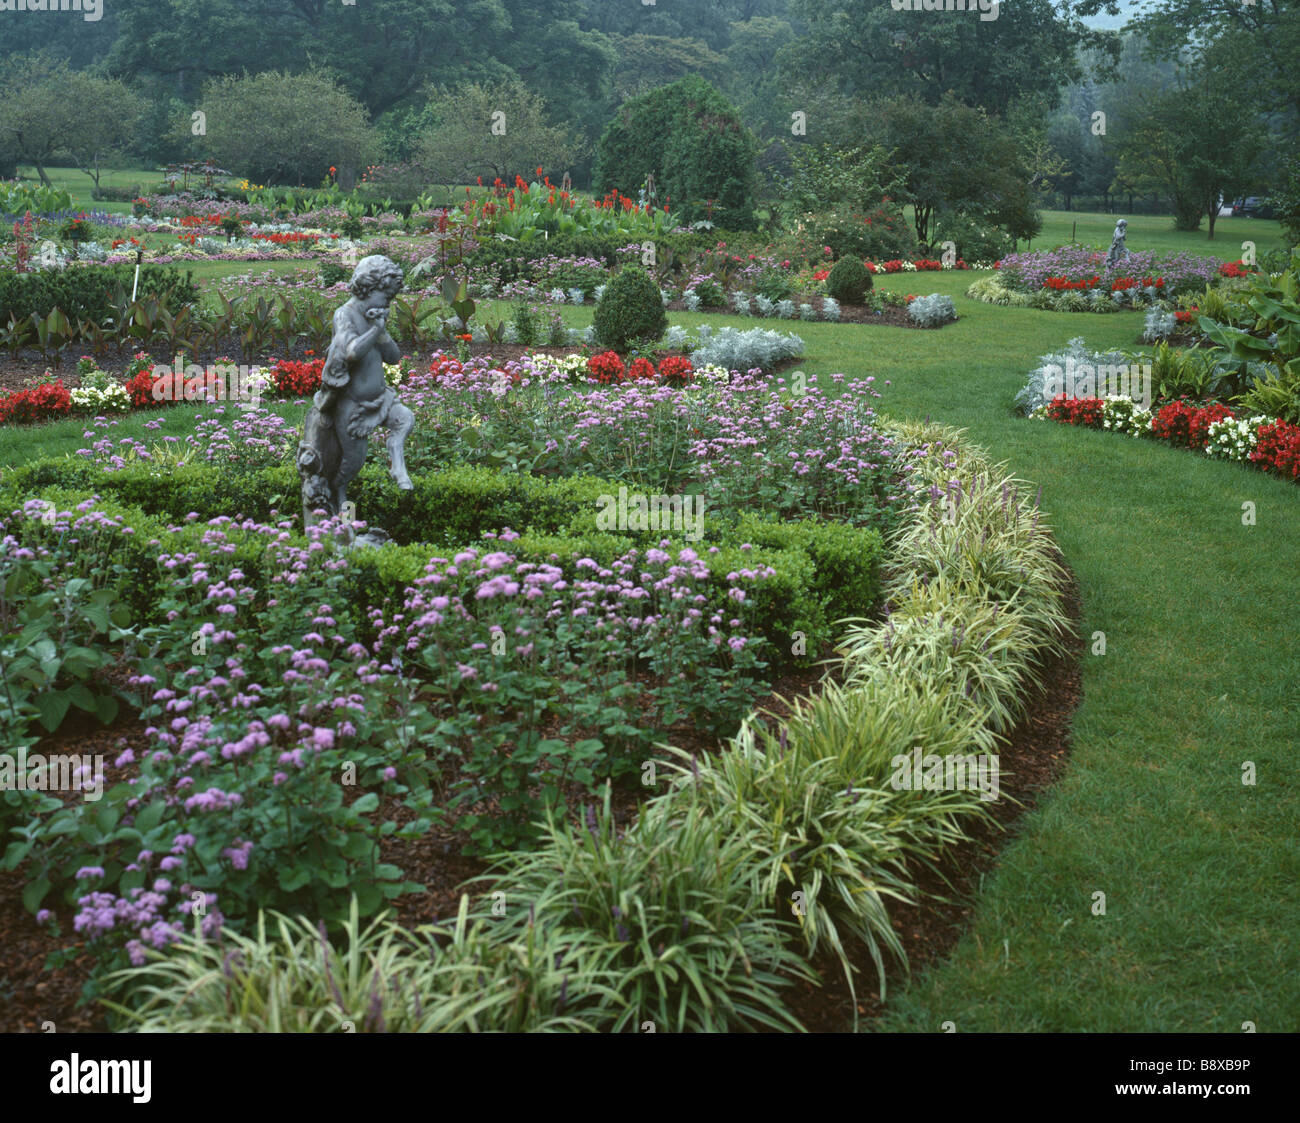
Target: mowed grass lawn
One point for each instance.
(1201, 873)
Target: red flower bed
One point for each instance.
(1123, 284)
(1186, 426)
(606, 367)
(1278, 448)
(921, 264)
(291, 238)
(1063, 284)
(1076, 411)
(641, 369)
(295, 379)
(676, 369)
(1234, 269)
(51, 399)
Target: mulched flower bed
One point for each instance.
(1030, 758)
(32, 993)
(14, 372)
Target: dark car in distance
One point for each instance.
(1252, 206)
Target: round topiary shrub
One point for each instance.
(849, 281)
(631, 310)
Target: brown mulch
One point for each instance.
(1030, 759)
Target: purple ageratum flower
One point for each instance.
(90, 871)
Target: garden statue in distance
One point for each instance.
(354, 399)
(1118, 251)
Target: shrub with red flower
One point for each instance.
(140, 389)
(1185, 316)
(1278, 448)
(606, 367)
(1086, 412)
(295, 379)
(1186, 426)
(50, 399)
(1234, 269)
(444, 365)
(1171, 423)
(676, 370)
(641, 369)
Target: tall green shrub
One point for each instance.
(630, 311)
(694, 143)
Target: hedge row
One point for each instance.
(86, 292)
(824, 571)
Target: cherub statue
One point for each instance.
(1118, 251)
(354, 399)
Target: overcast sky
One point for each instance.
(1127, 8)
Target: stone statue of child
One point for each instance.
(354, 399)
(1118, 251)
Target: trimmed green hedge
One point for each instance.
(85, 292)
(824, 571)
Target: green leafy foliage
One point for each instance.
(693, 142)
(848, 281)
(631, 311)
(56, 636)
(88, 294)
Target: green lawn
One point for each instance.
(1156, 232)
(1201, 874)
(79, 185)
